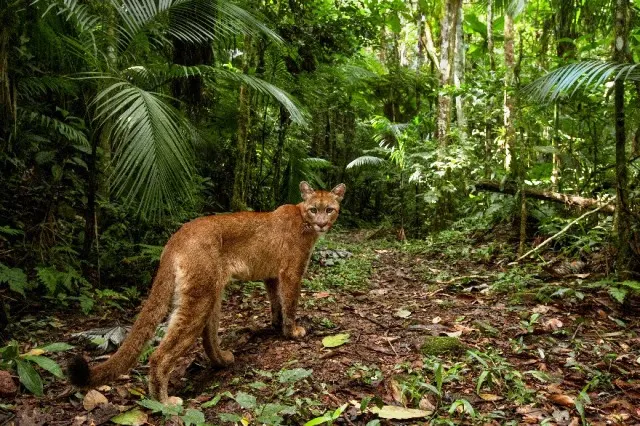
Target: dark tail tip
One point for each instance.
(79, 372)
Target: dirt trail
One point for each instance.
(535, 358)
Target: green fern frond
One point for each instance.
(366, 160)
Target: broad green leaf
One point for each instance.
(230, 417)
(47, 364)
(193, 417)
(29, 377)
(319, 420)
(212, 402)
(402, 313)
(134, 417)
(15, 277)
(57, 347)
(393, 412)
(335, 340)
(246, 400)
(291, 376)
(154, 406)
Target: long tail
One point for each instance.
(153, 311)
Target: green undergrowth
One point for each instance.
(349, 273)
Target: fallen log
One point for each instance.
(556, 197)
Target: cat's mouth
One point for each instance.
(321, 229)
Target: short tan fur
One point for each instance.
(196, 264)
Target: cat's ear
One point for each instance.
(339, 191)
(306, 190)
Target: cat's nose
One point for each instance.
(323, 224)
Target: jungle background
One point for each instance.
(467, 132)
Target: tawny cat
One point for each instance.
(195, 266)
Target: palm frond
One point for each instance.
(572, 77)
(366, 160)
(38, 86)
(74, 12)
(65, 130)
(236, 20)
(192, 21)
(295, 111)
(315, 163)
(515, 7)
(153, 155)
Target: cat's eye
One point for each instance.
(330, 209)
(313, 210)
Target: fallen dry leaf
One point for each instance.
(552, 324)
(436, 320)
(396, 391)
(7, 385)
(399, 413)
(426, 404)
(541, 309)
(321, 295)
(402, 313)
(619, 418)
(174, 400)
(463, 328)
(490, 397)
(92, 399)
(561, 399)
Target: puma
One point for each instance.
(197, 262)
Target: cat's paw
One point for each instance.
(226, 359)
(296, 333)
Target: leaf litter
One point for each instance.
(574, 353)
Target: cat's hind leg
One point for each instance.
(192, 310)
(218, 357)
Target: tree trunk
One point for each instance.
(458, 73)
(492, 59)
(239, 197)
(509, 137)
(277, 158)
(624, 265)
(447, 41)
(556, 197)
(555, 141)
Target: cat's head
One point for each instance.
(320, 208)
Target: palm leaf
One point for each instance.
(193, 21)
(366, 160)
(153, 152)
(74, 12)
(315, 163)
(157, 76)
(570, 78)
(67, 131)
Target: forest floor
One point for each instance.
(442, 331)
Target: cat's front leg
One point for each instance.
(289, 294)
(273, 291)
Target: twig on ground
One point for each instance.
(453, 280)
(361, 315)
(562, 231)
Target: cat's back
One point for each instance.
(226, 228)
